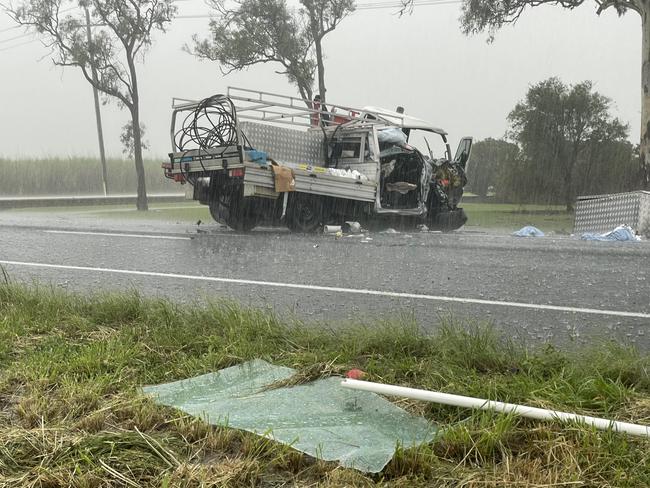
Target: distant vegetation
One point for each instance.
(490, 16)
(108, 57)
(563, 142)
(78, 176)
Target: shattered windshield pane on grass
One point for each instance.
(358, 429)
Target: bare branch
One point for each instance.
(620, 5)
(259, 32)
(106, 89)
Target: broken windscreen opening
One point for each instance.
(402, 184)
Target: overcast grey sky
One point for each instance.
(422, 62)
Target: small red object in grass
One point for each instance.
(355, 374)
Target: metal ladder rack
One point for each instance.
(284, 109)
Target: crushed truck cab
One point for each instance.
(257, 158)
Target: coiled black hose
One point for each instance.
(211, 124)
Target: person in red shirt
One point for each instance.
(319, 116)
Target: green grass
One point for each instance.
(173, 212)
(182, 211)
(505, 216)
(71, 413)
(78, 176)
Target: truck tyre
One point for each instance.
(241, 215)
(217, 212)
(235, 212)
(305, 213)
(449, 220)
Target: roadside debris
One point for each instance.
(597, 213)
(332, 229)
(360, 430)
(620, 233)
(352, 227)
(528, 231)
(482, 404)
(355, 374)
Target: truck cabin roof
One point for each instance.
(400, 120)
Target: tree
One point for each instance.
(124, 31)
(608, 166)
(486, 166)
(128, 141)
(558, 127)
(267, 31)
(490, 15)
(324, 16)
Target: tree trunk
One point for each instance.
(644, 155)
(321, 69)
(568, 177)
(141, 201)
(305, 93)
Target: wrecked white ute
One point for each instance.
(257, 158)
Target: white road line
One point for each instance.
(117, 234)
(357, 291)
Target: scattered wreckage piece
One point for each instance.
(360, 430)
(351, 165)
(601, 213)
(529, 231)
(507, 408)
(620, 233)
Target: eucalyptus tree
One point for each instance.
(249, 32)
(490, 15)
(556, 126)
(108, 59)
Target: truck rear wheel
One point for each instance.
(305, 213)
(235, 211)
(217, 212)
(241, 215)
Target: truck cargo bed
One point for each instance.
(315, 180)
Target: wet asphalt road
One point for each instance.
(428, 269)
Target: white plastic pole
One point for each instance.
(470, 402)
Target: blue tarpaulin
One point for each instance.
(621, 233)
(528, 231)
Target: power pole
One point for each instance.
(98, 115)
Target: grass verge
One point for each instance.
(71, 414)
(185, 211)
(553, 218)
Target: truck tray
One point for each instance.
(315, 180)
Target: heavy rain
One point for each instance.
(434, 213)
